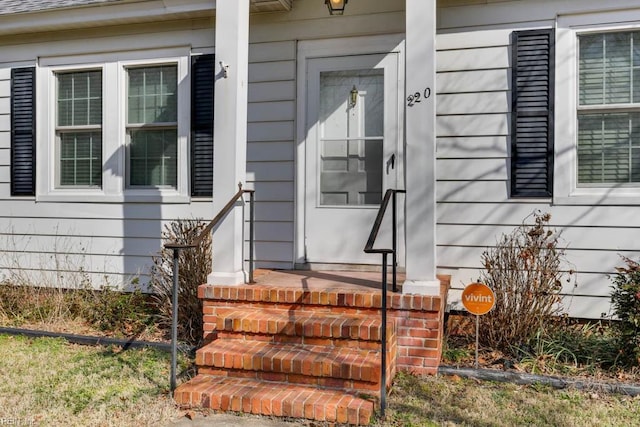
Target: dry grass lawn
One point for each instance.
(49, 382)
(447, 401)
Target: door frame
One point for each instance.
(306, 50)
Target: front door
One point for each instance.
(353, 153)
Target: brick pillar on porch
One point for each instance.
(419, 321)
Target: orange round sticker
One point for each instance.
(478, 298)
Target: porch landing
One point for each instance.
(307, 344)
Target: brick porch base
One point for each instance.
(307, 345)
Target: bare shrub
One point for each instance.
(60, 264)
(525, 272)
(51, 285)
(195, 265)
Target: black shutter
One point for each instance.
(23, 130)
(532, 113)
(202, 81)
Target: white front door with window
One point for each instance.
(352, 153)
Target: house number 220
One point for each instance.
(417, 97)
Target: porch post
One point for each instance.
(420, 163)
(230, 136)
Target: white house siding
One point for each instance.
(473, 103)
(271, 150)
(117, 239)
(473, 155)
(111, 242)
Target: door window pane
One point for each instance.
(351, 137)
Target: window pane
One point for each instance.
(608, 73)
(618, 68)
(152, 95)
(591, 65)
(153, 157)
(81, 159)
(80, 98)
(609, 148)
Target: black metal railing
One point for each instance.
(390, 194)
(177, 247)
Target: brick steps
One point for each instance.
(299, 323)
(308, 360)
(308, 353)
(274, 399)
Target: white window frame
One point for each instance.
(566, 189)
(59, 130)
(129, 127)
(114, 134)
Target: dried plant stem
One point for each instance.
(195, 265)
(525, 272)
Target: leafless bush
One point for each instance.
(195, 265)
(525, 272)
(51, 285)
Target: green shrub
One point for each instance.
(625, 302)
(525, 271)
(570, 348)
(113, 310)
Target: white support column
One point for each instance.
(230, 136)
(420, 153)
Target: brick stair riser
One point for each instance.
(306, 329)
(324, 383)
(326, 299)
(341, 367)
(292, 306)
(281, 323)
(366, 337)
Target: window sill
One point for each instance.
(600, 196)
(164, 197)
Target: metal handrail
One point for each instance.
(390, 194)
(177, 247)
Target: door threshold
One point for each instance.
(319, 266)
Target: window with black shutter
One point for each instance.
(202, 81)
(532, 113)
(23, 123)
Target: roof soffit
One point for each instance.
(31, 16)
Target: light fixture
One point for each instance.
(336, 7)
(354, 96)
